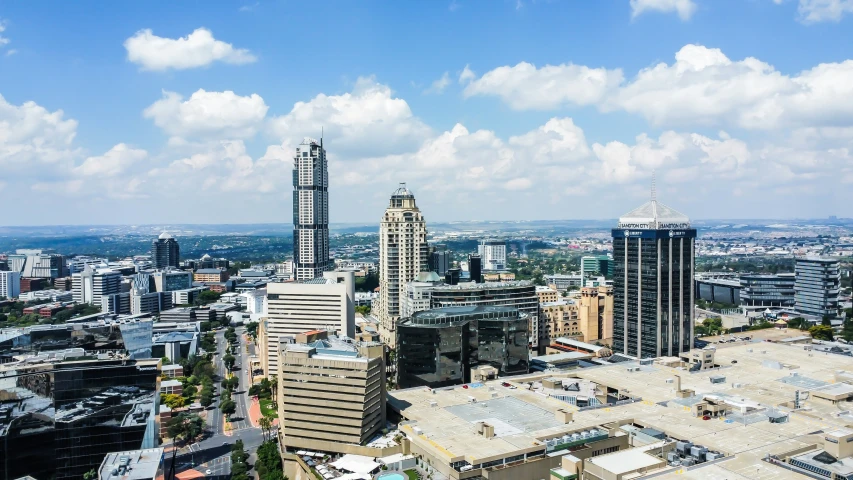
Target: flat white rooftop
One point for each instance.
(628, 460)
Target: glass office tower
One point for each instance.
(653, 253)
(439, 347)
(61, 414)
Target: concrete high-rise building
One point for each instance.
(403, 253)
(325, 303)
(165, 252)
(331, 393)
(10, 284)
(90, 286)
(653, 253)
(816, 287)
(595, 314)
(493, 253)
(310, 211)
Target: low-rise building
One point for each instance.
(547, 294)
(171, 387)
(210, 275)
(145, 464)
(172, 371)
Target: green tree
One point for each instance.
(266, 426)
(821, 332)
(826, 321)
(252, 329)
(228, 360)
(368, 283)
(231, 383)
(185, 427)
(208, 296)
(165, 361)
(847, 330)
(269, 465)
(206, 398)
(799, 323)
(362, 309)
(228, 407)
(172, 400)
(91, 475)
(190, 391)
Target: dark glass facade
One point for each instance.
(767, 290)
(653, 292)
(135, 338)
(60, 420)
(165, 252)
(438, 347)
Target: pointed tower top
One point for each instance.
(654, 186)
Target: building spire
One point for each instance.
(654, 187)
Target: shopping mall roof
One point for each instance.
(448, 430)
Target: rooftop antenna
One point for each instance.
(321, 137)
(654, 187)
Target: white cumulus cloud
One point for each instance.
(815, 11)
(524, 86)
(439, 85)
(368, 120)
(198, 49)
(32, 136)
(684, 8)
(114, 162)
(704, 86)
(208, 114)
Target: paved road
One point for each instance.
(213, 453)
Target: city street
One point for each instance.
(213, 453)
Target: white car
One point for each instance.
(207, 472)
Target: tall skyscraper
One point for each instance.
(310, 211)
(403, 253)
(165, 251)
(653, 252)
(816, 288)
(493, 253)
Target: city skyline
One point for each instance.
(569, 104)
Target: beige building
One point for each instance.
(588, 317)
(403, 253)
(595, 314)
(325, 303)
(331, 394)
(547, 294)
(560, 320)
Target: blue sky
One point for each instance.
(161, 112)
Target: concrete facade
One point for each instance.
(403, 253)
(325, 303)
(331, 395)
